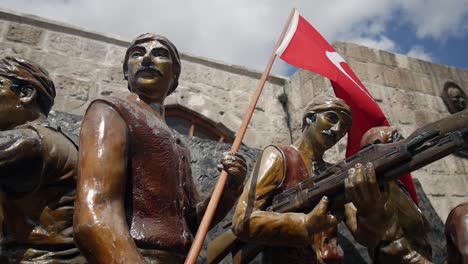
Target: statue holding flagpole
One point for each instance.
(136, 200)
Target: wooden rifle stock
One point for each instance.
(391, 161)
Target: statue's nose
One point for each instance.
(146, 59)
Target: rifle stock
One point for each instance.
(391, 161)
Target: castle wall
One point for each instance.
(85, 65)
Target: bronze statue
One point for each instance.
(456, 232)
(38, 168)
(405, 239)
(454, 97)
(136, 199)
(290, 236)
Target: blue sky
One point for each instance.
(243, 32)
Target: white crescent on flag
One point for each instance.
(336, 59)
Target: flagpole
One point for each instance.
(218, 190)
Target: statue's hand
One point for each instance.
(373, 210)
(236, 166)
(319, 220)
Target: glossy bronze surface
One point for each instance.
(38, 168)
(369, 216)
(136, 199)
(290, 236)
(456, 232)
(454, 97)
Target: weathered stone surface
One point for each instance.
(67, 44)
(375, 73)
(115, 55)
(388, 58)
(391, 76)
(9, 49)
(93, 50)
(24, 34)
(360, 69)
(73, 94)
(112, 75)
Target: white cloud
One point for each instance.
(381, 43)
(419, 53)
(243, 32)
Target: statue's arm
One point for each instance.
(406, 240)
(99, 224)
(17, 148)
(252, 223)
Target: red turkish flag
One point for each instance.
(304, 47)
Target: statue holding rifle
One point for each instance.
(295, 237)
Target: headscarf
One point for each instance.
(172, 50)
(325, 103)
(29, 73)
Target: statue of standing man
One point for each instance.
(136, 199)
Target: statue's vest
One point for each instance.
(157, 164)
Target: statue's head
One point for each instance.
(325, 121)
(454, 97)
(152, 66)
(26, 90)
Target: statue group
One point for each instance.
(126, 194)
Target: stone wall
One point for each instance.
(409, 92)
(85, 65)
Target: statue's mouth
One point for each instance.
(329, 133)
(149, 72)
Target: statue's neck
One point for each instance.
(312, 157)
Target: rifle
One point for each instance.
(391, 161)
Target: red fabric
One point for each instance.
(309, 50)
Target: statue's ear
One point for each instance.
(28, 95)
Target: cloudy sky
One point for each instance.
(243, 32)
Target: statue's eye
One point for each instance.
(332, 117)
(136, 54)
(160, 52)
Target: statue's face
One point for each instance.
(150, 72)
(325, 129)
(12, 112)
(457, 98)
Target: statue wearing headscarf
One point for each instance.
(37, 168)
(301, 237)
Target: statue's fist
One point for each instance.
(319, 220)
(235, 165)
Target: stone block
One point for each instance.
(402, 61)
(388, 58)
(354, 51)
(80, 69)
(391, 76)
(111, 89)
(93, 50)
(54, 63)
(111, 75)
(407, 80)
(359, 69)
(375, 73)
(424, 84)
(116, 54)
(370, 55)
(63, 43)
(73, 94)
(319, 85)
(24, 34)
(9, 49)
(463, 74)
(441, 71)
